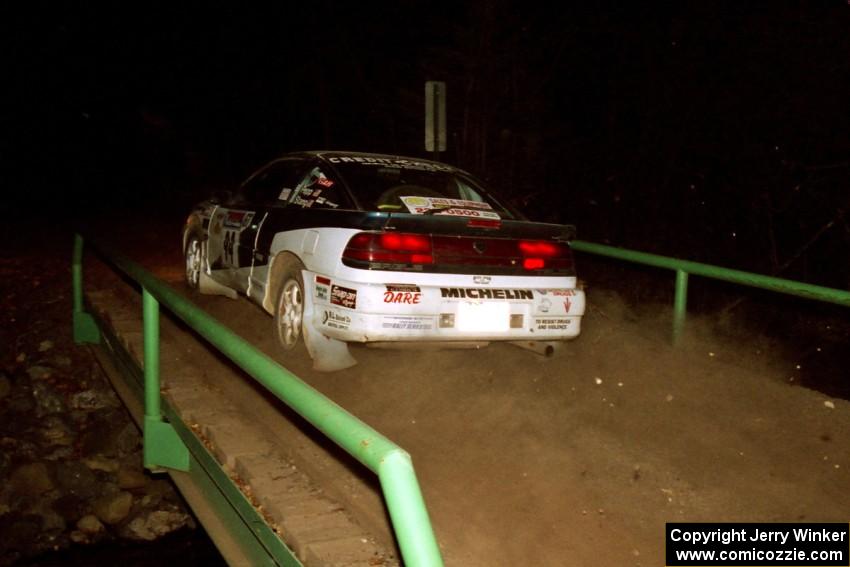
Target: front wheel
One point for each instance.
(194, 261)
(289, 310)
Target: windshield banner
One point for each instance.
(450, 207)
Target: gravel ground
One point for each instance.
(73, 487)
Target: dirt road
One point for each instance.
(581, 459)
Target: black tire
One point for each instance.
(289, 305)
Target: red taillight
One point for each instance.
(538, 248)
(409, 251)
(389, 248)
(406, 242)
(536, 253)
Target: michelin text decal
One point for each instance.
(484, 293)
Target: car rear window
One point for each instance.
(389, 187)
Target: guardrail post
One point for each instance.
(680, 305)
(407, 511)
(85, 328)
(162, 446)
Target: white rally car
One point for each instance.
(385, 250)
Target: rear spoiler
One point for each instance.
(449, 225)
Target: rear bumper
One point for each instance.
(370, 312)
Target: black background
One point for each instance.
(712, 131)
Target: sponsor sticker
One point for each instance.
(552, 324)
(335, 320)
(407, 323)
(407, 297)
(238, 219)
(485, 293)
(435, 202)
(450, 207)
(322, 292)
(413, 288)
(398, 163)
(344, 296)
(564, 292)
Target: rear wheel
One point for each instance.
(194, 261)
(289, 310)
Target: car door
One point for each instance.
(228, 223)
(243, 218)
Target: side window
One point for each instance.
(466, 192)
(275, 183)
(320, 189)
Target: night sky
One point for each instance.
(711, 131)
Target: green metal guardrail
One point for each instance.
(685, 267)
(163, 447)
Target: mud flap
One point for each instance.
(328, 354)
(209, 286)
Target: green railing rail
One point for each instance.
(162, 447)
(685, 267)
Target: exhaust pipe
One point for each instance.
(544, 348)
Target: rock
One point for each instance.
(45, 346)
(98, 463)
(56, 432)
(129, 439)
(31, 480)
(76, 478)
(80, 417)
(113, 508)
(131, 478)
(37, 372)
(48, 400)
(158, 493)
(71, 507)
(21, 402)
(22, 450)
(94, 400)
(152, 525)
(90, 525)
(111, 435)
(60, 453)
(51, 521)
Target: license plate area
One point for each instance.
(483, 317)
